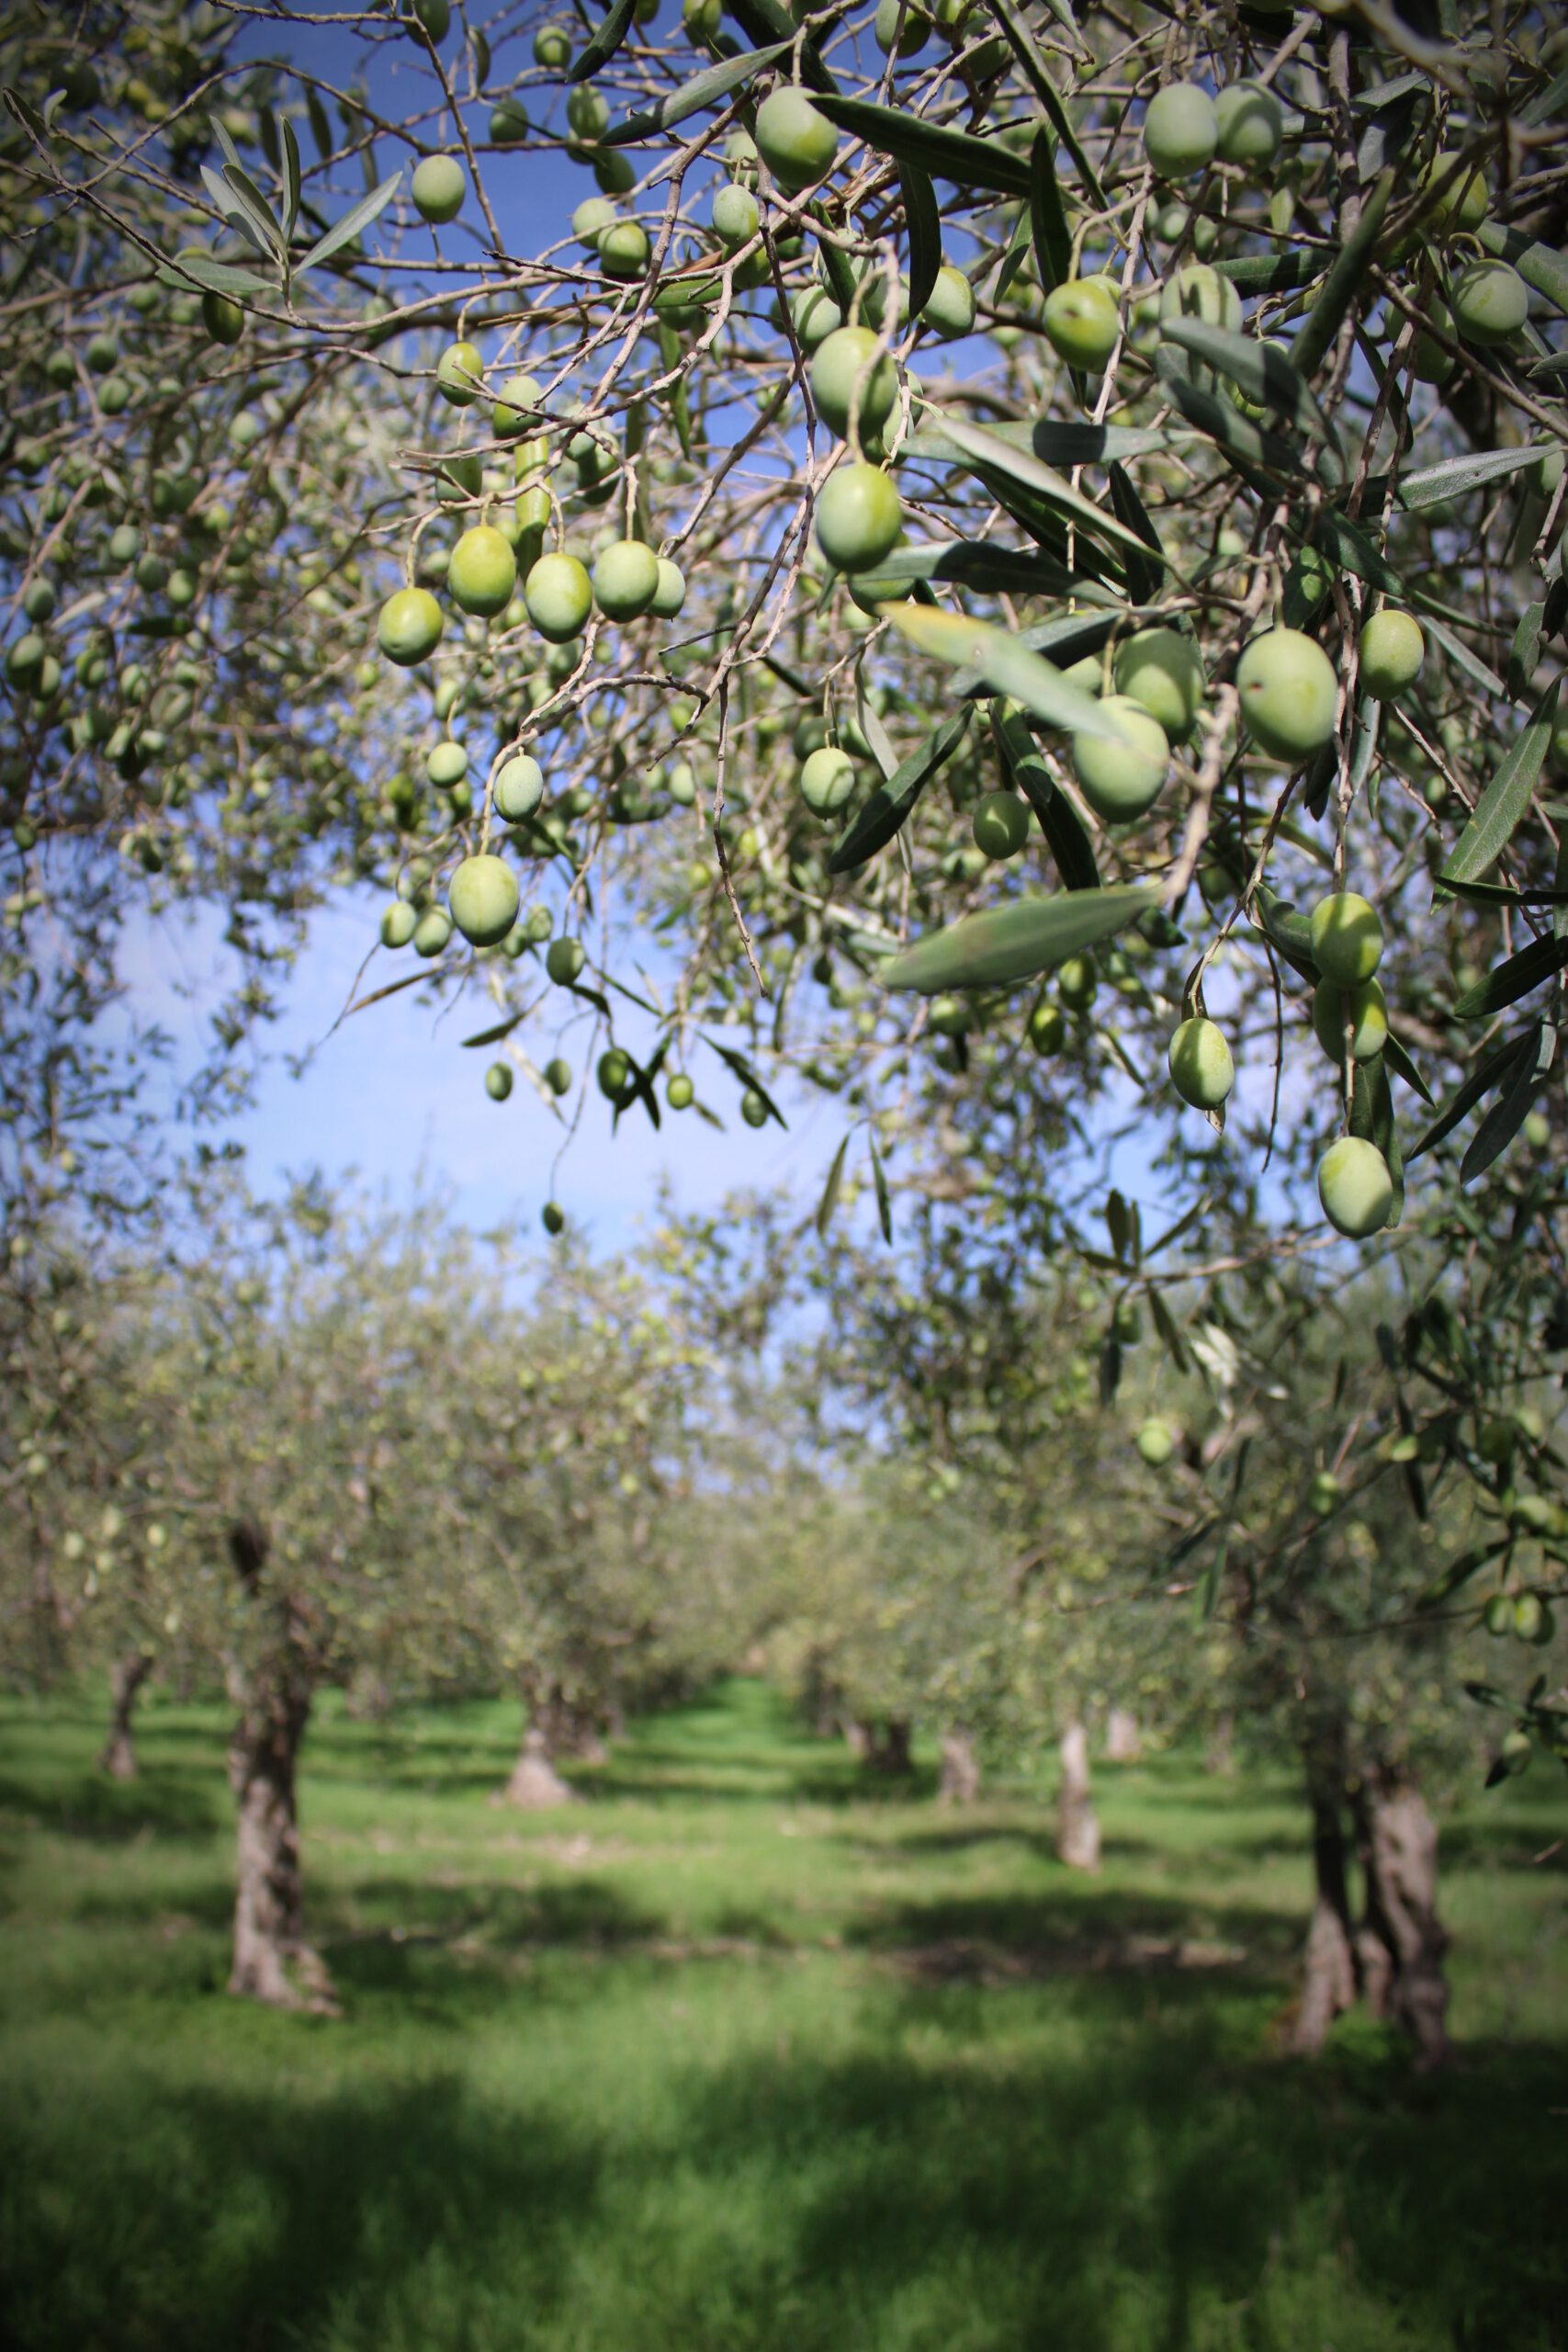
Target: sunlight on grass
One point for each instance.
(735, 2055)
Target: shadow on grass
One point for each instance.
(1148, 2192)
(92, 1806)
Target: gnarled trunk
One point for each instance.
(960, 1781)
(889, 1750)
(1328, 1986)
(535, 1785)
(117, 1755)
(555, 1728)
(1402, 1943)
(1078, 1825)
(272, 1692)
(1122, 1745)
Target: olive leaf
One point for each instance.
(1016, 940)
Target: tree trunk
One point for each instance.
(1122, 1745)
(1219, 1756)
(1402, 1943)
(117, 1757)
(1078, 1825)
(1328, 1985)
(889, 1750)
(273, 1961)
(535, 1785)
(960, 1782)
(857, 1739)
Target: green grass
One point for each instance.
(736, 2056)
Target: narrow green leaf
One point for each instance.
(884, 1198)
(493, 1036)
(1165, 1324)
(1348, 275)
(478, 45)
(292, 179)
(253, 204)
(1048, 221)
(1004, 456)
(612, 31)
(888, 807)
(967, 563)
(1016, 940)
(1460, 1571)
(1400, 1062)
(321, 128)
(1459, 652)
(1058, 821)
(1264, 375)
(1005, 664)
(1351, 548)
(1046, 90)
(1244, 441)
(1538, 265)
(1273, 273)
(1452, 477)
(358, 218)
(1508, 982)
(703, 89)
(1500, 894)
(196, 268)
(1091, 444)
(1142, 577)
(1507, 1115)
(1118, 1221)
(748, 1077)
(1494, 1071)
(923, 223)
(1505, 800)
(1012, 260)
(767, 21)
(1524, 651)
(830, 1190)
(952, 155)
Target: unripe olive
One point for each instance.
(512, 414)
(1390, 650)
(670, 594)
(624, 249)
(560, 597)
(1082, 321)
(409, 626)
(1462, 203)
(1346, 938)
(1251, 123)
(1498, 1615)
(398, 923)
(483, 570)
(799, 144)
(734, 215)
(552, 48)
(847, 356)
(680, 1094)
(482, 896)
(519, 788)
(1078, 978)
(1155, 1443)
(1001, 824)
(223, 319)
(1352, 1019)
(826, 779)
(432, 932)
(1047, 1029)
(1181, 130)
(552, 1218)
(753, 1108)
(1429, 363)
(950, 306)
(1161, 669)
(498, 1081)
(459, 373)
(1515, 1751)
(1288, 693)
(1355, 1187)
(614, 1073)
(587, 111)
(564, 959)
(859, 518)
(438, 189)
(1201, 1069)
(912, 37)
(1490, 301)
(447, 764)
(1123, 778)
(626, 580)
(1199, 292)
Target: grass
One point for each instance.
(737, 2057)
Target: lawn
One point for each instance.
(738, 2056)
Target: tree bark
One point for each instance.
(1402, 1943)
(960, 1781)
(1122, 1745)
(118, 1755)
(1078, 1825)
(889, 1750)
(1328, 1981)
(272, 1692)
(857, 1739)
(535, 1785)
